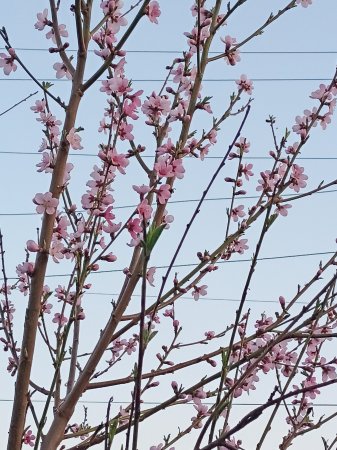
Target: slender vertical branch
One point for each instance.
(138, 382)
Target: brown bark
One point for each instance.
(34, 303)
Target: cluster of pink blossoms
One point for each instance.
(42, 22)
(122, 346)
(325, 95)
(122, 104)
(50, 144)
(24, 272)
(270, 180)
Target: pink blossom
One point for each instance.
(44, 165)
(263, 323)
(153, 11)
(113, 9)
(243, 145)
(311, 382)
(124, 131)
(118, 160)
(144, 209)
(201, 290)
(328, 371)
(177, 113)
(178, 168)
(42, 20)
(150, 275)
(141, 190)
(196, 37)
(167, 219)
(28, 438)
(134, 227)
(178, 73)
(108, 215)
(7, 61)
(110, 257)
(282, 209)
(156, 106)
(321, 93)
(60, 319)
(268, 181)
(40, 106)
(231, 56)
(131, 104)
(74, 139)
(297, 178)
(238, 212)
(116, 85)
(304, 3)
(32, 246)
(245, 84)
(212, 136)
(130, 346)
(292, 149)
(62, 31)
(301, 126)
(282, 301)
(46, 308)
(209, 335)
(112, 228)
(48, 119)
(240, 246)
(56, 250)
(61, 71)
(202, 412)
(163, 193)
(246, 170)
(169, 313)
(325, 120)
(46, 203)
(25, 268)
(163, 166)
(61, 229)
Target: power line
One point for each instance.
(153, 51)
(203, 299)
(119, 402)
(307, 158)
(265, 258)
(192, 200)
(246, 197)
(161, 80)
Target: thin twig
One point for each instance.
(18, 103)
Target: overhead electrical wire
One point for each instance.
(307, 158)
(247, 52)
(192, 200)
(161, 80)
(119, 402)
(264, 258)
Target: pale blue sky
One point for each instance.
(309, 228)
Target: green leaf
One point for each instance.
(148, 336)
(47, 85)
(152, 237)
(112, 431)
(224, 359)
(270, 221)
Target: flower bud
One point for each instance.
(32, 246)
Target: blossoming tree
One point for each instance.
(145, 337)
